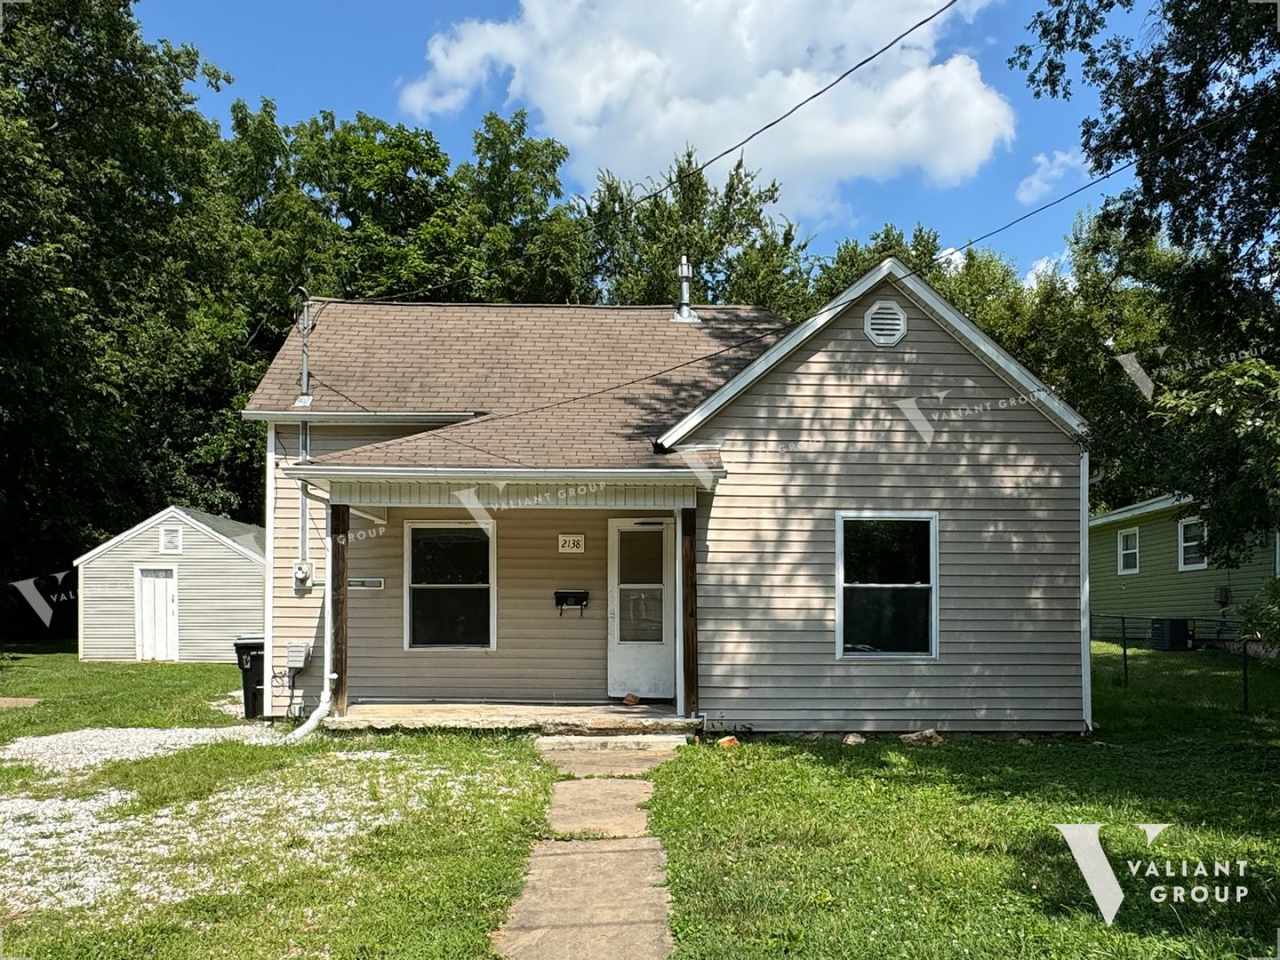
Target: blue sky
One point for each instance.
(941, 132)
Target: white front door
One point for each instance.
(157, 613)
(642, 608)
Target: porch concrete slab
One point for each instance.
(590, 900)
(609, 808)
(601, 719)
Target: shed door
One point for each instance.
(157, 614)
(642, 647)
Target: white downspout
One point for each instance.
(326, 691)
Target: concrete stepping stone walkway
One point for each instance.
(595, 899)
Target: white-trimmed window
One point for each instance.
(450, 575)
(170, 539)
(1127, 558)
(886, 584)
(1191, 537)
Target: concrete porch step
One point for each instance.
(663, 742)
(619, 756)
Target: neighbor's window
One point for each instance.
(449, 600)
(1127, 551)
(1191, 536)
(886, 591)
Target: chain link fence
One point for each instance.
(1174, 634)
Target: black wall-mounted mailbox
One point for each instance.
(572, 598)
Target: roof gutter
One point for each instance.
(358, 416)
(1154, 505)
(665, 475)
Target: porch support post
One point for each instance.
(689, 594)
(340, 528)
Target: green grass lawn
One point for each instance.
(789, 848)
(74, 695)
(415, 846)
(342, 847)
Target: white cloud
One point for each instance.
(1047, 266)
(1049, 170)
(952, 259)
(626, 86)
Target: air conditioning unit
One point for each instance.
(301, 573)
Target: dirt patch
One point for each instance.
(16, 703)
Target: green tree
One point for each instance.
(1192, 102)
(113, 230)
(737, 251)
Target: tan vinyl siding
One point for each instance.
(822, 432)
(297, 616)
(220, 596)
(540, 655)
(1159, 589)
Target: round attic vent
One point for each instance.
(885, 323)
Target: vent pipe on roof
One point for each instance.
(305, 326)
(684, 314)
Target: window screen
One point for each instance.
(449, 587)
(886, 589)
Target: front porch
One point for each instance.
(527, 609)
(605, 719)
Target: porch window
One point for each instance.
(886, 584)
(450, 598)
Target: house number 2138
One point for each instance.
(572, 543)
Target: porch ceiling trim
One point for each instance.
(515, 495)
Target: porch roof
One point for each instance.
(593, 433)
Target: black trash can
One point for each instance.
(252, 659)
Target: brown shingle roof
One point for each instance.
(501, 360)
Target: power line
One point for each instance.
(702, 167)
(807, 100)
(950, 252)
(1114, 171)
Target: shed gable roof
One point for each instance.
(248, 540)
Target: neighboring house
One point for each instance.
(1148, 560)
(181, 585)
(872, 520)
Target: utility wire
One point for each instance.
(950, 252)
(836, 306)
(805, 102)
(702, 167)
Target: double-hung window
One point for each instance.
(1191, 537)
(1127, 552)
(886, 584)
(450, 599)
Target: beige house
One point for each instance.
(876, 519)
(181, 585)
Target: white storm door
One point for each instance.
(157, 613)
(642, 608)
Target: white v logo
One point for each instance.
(1086, 847)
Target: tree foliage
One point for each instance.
(152, 264)
(1190, 97)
